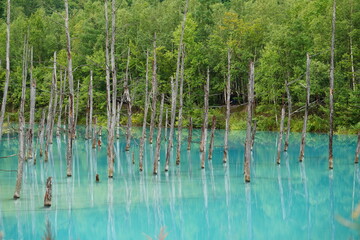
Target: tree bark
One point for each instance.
(128, 99)
(205, 124)
(90, 116)
(289, 117)
(248, 128)
(42, 132)
(6, 86)
(154, 94)
(175, 90)
(61, 101)
(143, 133)
(190, 134)
(181, 103)
(77, 106)
(280, 135)
(357, 149)
(332, 68)
(21, 156)
(166, 125)
(94, 137)
(48, 193)
(303, 135)
(158, 139)
(213, 126)
(227, 121)
(30, 135)
(71, 120)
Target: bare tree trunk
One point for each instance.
(174, 95)
(253, 133)
(128, 99)
(90, 116)
(71, 120)
(158, 139)
(205, 124)
(154, 94)
(248, 128)
(213, 126)
(6, 86)
(303, 135)
(227, 121)
(190, 133)
(289, 117)
(357, 149)
(280, 135)
(50, 117)
(48, 193)
(117, 121)
(22, 146)
(181, 103)
(351, 49)
(61, 101)
(110, 149)
(42, 132)
(166, 125)
(77, 106)
(143, 133)
(30, 135)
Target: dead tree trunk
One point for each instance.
(71, 120)
(289, 117)
(205, 124)
(117, 121)
(190, 134)
(30, 135)
(211, 147)
(158, 138)
(332, 68)
(77, 106)
(280, 135)
(94, 137)
(48, 193)
(253, 133)
(21, 156)
(90, 107)
(227, 121)
(353, 78)
(42, 132)
(175, 90)
(110, 149)
(303, 135)
(357, 149)
(128, 99)
(52, 105)
(61, 101)
(166, 125)
(154, 94)
(248, 128)
(143, 133)
(181, 103)
(6, 86)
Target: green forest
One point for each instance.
(275, 34)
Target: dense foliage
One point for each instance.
(276, 34)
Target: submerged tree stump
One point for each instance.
(48, 193)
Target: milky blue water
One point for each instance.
(288, 201)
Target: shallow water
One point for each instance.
(288, 201)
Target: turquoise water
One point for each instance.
(290, 201)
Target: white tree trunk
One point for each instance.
(30, 136)
(158, 139)
(332, 69)
(128, 100)
(205, 124)
(227, 97)
(190, 133)
(181, 103)
(278, 158)
(154, 94)
(289, 116)
(211, 147)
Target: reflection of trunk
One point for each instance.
(154, 94)
(289, 116)
(180, 107)
(71, 126)
(143, 133)
(303, 135)
(128, 100)
(332, 87)
(280, 135)
(6, 86)
(357, 149)
(211, 147)
(190, 133)
(158, 139)
(22, 146)
(248, 128)
(30, 135)
(205, 124)
(227, 121)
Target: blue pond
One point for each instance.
(288, 201)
